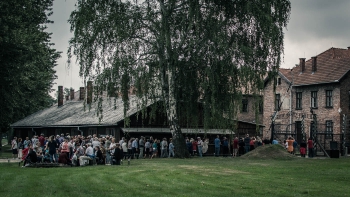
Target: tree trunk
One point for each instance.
(0, 141)
(168, 83)
(171, 106)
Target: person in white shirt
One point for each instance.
(171, 149)
(112, 150)
(122, 141)
(200, 146)
(89, 151)
(164, 148)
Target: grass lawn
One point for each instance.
(6, 152)
(4, 142)
(208, 176)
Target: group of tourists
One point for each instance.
(243, 145)
(290, 144)
(79, 150)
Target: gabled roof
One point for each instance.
(332, 66)
(72, 113)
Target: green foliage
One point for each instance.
(27, 59)
(182, 52)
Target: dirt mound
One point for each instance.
(270, 151)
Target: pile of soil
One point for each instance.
(270, 151)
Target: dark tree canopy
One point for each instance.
(183, 52)
(27, 59)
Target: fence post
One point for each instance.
(344, 152)
(303, 127)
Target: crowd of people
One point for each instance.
(79, 150)
(290, 144)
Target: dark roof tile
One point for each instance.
(332, 65)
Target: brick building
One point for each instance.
(320, 85)
(250, 107)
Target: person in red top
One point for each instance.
(65, 147)
(235, 147)
(252, 143)
(310, 145)
(194, 147)
(42, 141)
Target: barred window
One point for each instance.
(299, 100)
(277, 102)
(329, 98)
(314, 99)
(261, 107)
(244, 105)
(329, 129)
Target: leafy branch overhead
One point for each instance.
(181, 51)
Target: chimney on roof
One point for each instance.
(302, 64)
(89, 92)
(82, 93)
(71, 94)
(314, 64)
(60, 96)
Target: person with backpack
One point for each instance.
(52, 145)
(295, 145)
(171, 149)
(20, 148)
(14, 147)
(225, 147)
(164, 147)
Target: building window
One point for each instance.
(110, 131)
(92, 131)
(314, 99)
(279, 81)
(349, 99)
(329, 129)
(277, 102)
(245, 105)
(329, 98)
(261, 107)
(299, 100)
(299, 134)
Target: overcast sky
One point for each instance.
(314, 26)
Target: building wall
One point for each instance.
(323, 113)
(249, 116)
(345, 96)
(286, 116)
(269, 105)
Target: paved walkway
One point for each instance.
(10, 160)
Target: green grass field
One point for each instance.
(4, 142)
(208, 176)
(6, 152)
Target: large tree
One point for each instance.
(27, 59)
(183, 52)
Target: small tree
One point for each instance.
(180, 51)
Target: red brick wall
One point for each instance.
(344, 96)
(249, 116)
(340, 100)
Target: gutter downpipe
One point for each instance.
(81, 132)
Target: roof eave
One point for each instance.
(298, 85)
(284, 77)
(63, 126)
